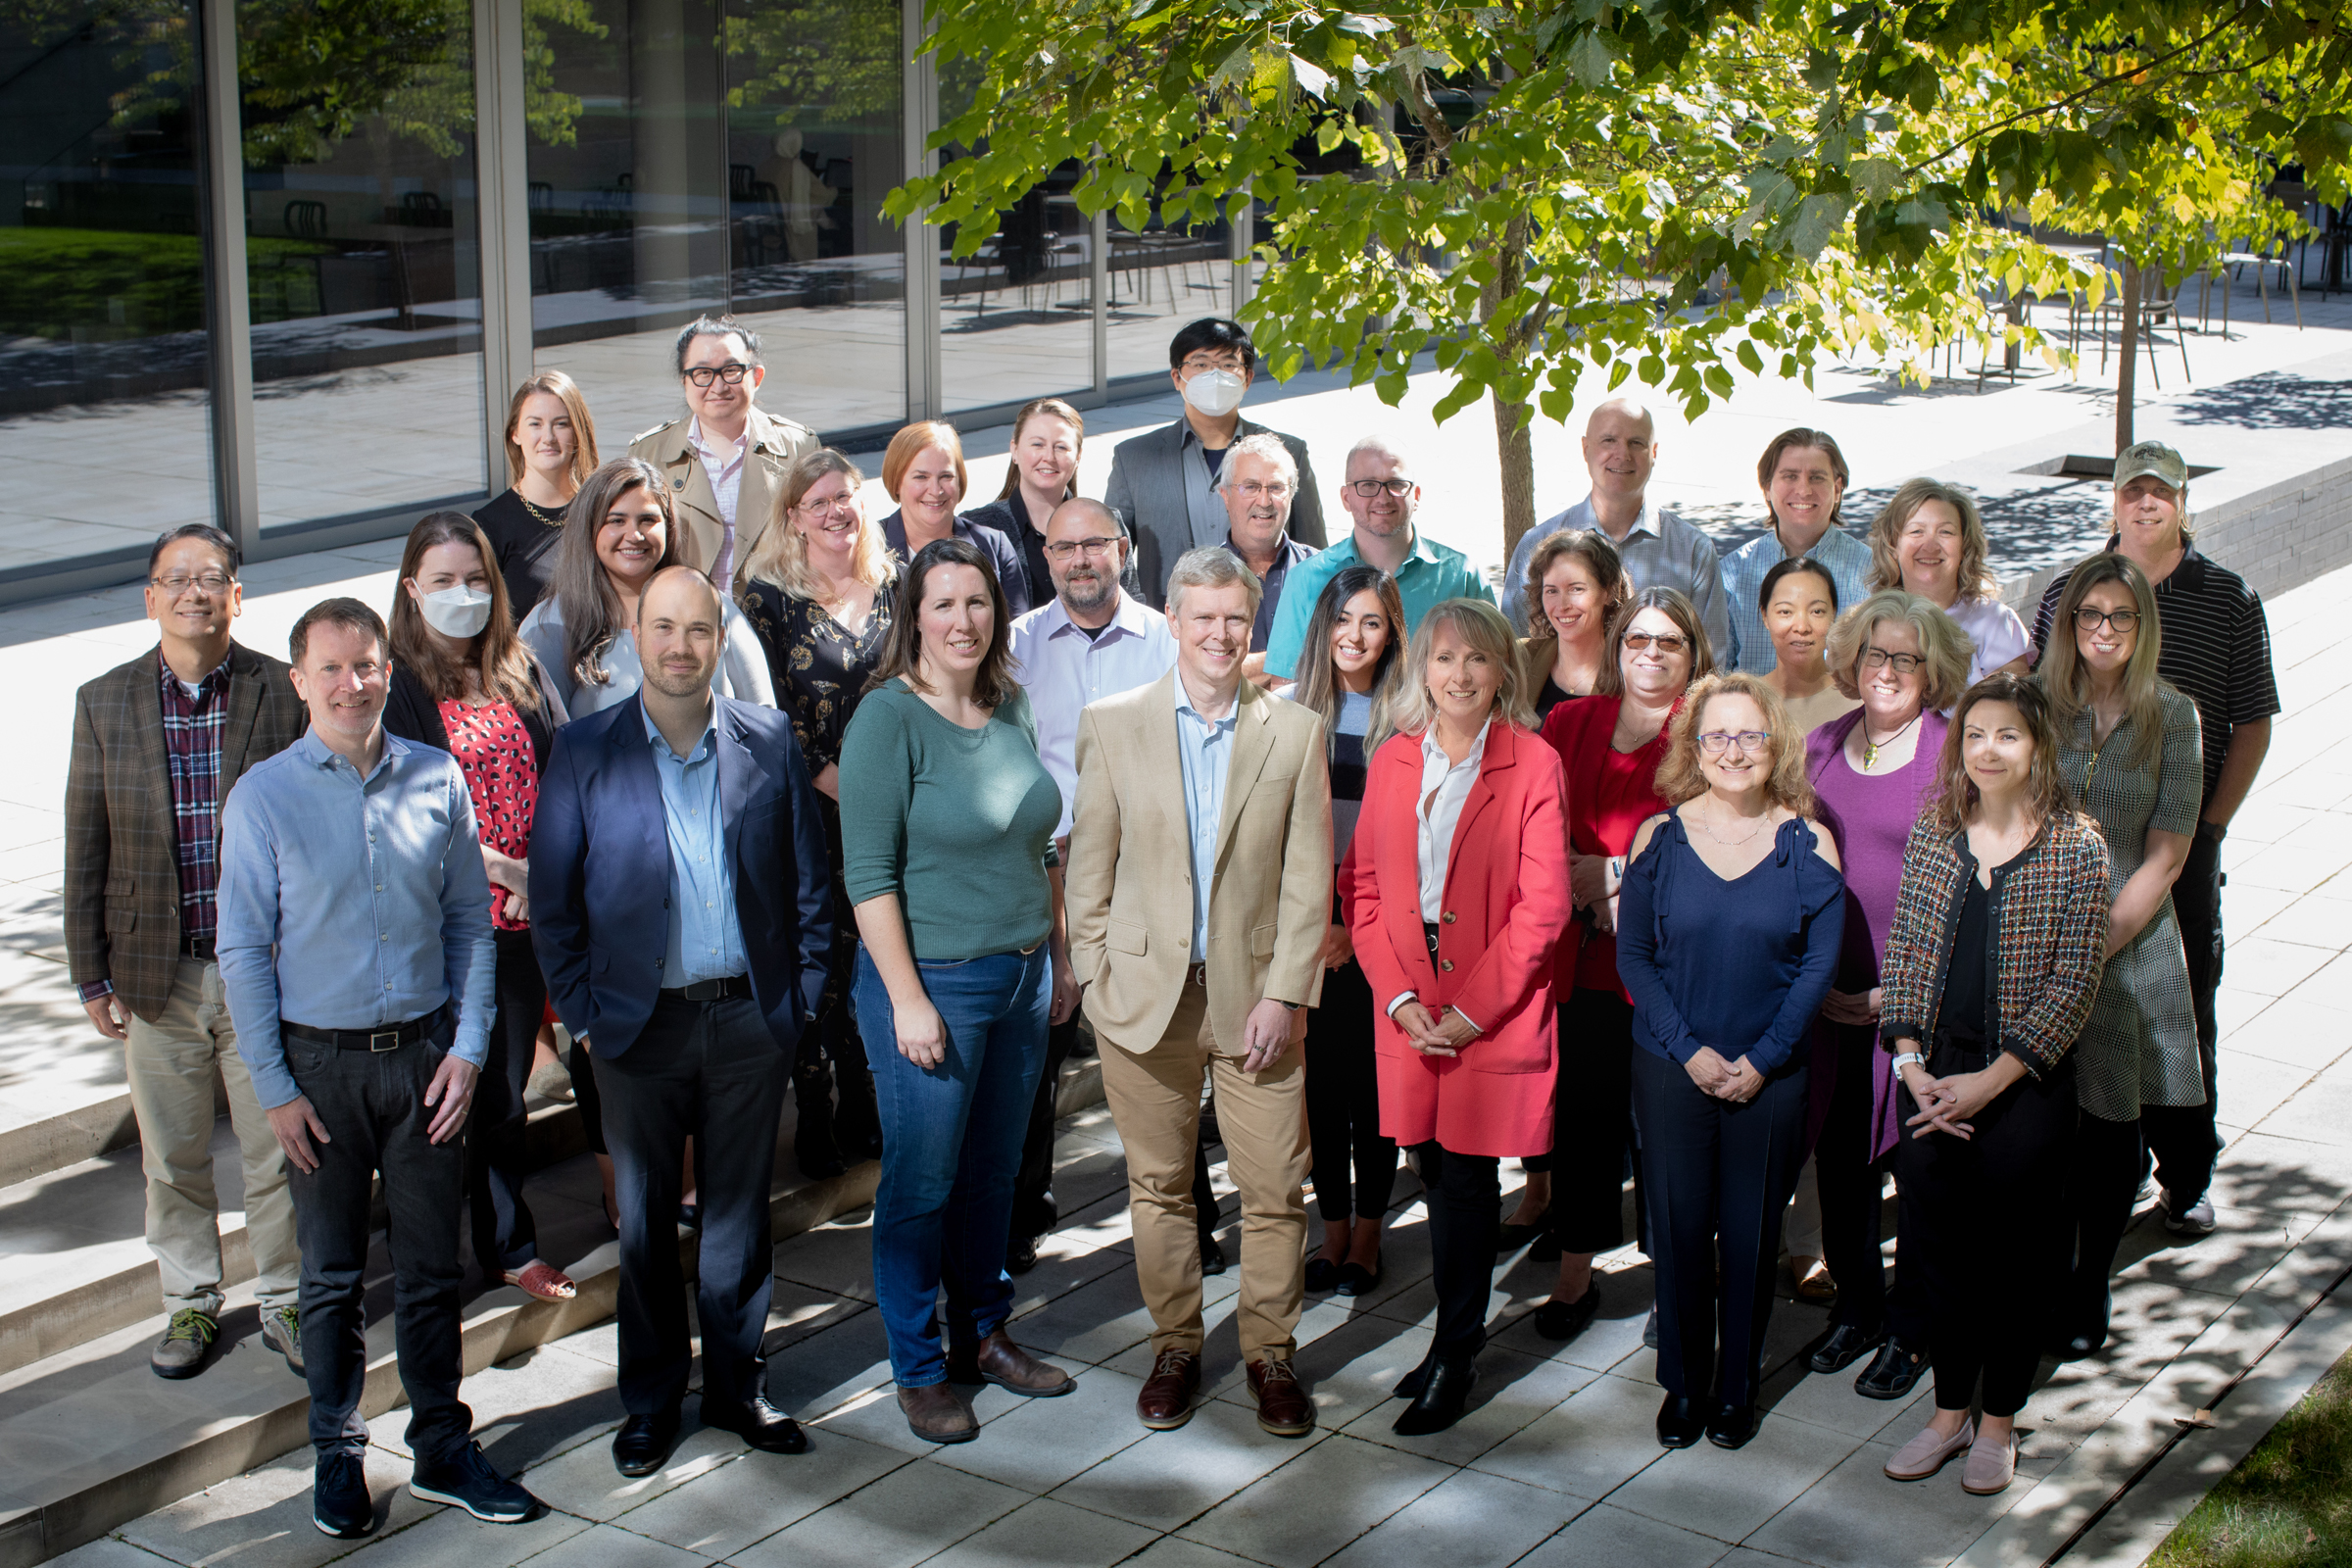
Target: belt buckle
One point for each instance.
(383, 1039)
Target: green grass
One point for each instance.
(2288, 1505)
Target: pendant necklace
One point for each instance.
(1870, 747)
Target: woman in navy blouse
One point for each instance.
(1728, 928)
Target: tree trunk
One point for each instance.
(1514, 445)
(2126, 376)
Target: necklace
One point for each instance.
(556, 521)
(1704, 826)
(1870, 747)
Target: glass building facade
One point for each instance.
(278, 266)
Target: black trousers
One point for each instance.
(1967, 1201)
(1034, 1211)
(710, 1071)
(2183, 1138)
(1592, 1121)
(1853, 1209)
(1718, 1177)
(2103, 1176)
(1463, 1193)
(374, 1109)
(505, 1238)
(1343, 1102)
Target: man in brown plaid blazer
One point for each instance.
(157, 744)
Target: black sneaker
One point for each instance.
(340, 1502)
(468, 1480)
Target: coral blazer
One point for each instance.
(1506, 905)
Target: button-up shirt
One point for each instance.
(1431, 574)
(1445, 789)
(706, 934)
(1287, 552)
(1743, 573)
(1204, 503)
(723, 462)
(1659, 551)
(1205, 747)
(351, 902)
(1063, 669)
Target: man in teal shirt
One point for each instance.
(1380, 495)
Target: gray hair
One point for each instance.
(1266, 444)
(1211, 566)
(1386, 446)
(708, 325)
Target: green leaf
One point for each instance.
(1818, 222)
(1591, 58)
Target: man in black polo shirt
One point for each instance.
(2217, 648)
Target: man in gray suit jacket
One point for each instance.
(1163, 484)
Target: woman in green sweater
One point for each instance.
(946, 825)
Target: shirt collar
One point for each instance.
(213, 678)
(1285, 550)
(702, 748)
(1645, 522)
(1432, 752)
(736, 449)
(2191, 563)
(1130, 620)
(1184, 705)
(320, 755)
(1423, 550)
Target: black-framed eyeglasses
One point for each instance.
(1064, 549)
(179, 583)
(1666, 642)
(732, 372)
(1716, 742)
(1368, 488)
(1876, 658)
(2125, 622)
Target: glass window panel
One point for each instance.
(363, 265)
(1161, 278)
(103, 349)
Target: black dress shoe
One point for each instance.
(644, 1442)
(1565, 1320)
(1895, 1371)
(1321, 1275)
(1843, 1346)
(1681, 1421)
(1020, 1255)
(1409, 1386)
(1732, 1426)
(1212, 1256)
(759, 1423)
(1509, 1238)
(1356, 1280)
(1437, 1403)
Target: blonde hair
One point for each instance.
(555, 385)
(912, 442)
(780, 557)
(1679, 776)
(2068, 679)
(1406, 709)
(1035, 406)
(1941, 642)
(1976, 580)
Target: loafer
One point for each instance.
(1284, 1407)
(1356, 1280)
(1020, 1255)
(1991, 1466)
(1843, 1346)
(468, 1480)
(1212, 1256)
(1929, 1453)
(186, 1346)
(997, 1360)
(1322, 1274)
(1509, 1238)
(1893, 1372)
(1681, 1421)
(1733, 1425)
(759, 1423)
(644, 1442)
(1444, 1394)
(1166, 1402)
(1565, 1320)
(935, 1414)
(340, 1502)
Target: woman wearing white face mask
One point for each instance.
(463, 682)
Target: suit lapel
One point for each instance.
(1161, 761)
(1252, 744)
(144, 707)
(633, 764)
(245, 677)
(738, 781)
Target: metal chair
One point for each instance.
(2262, 262)
(2157, 309)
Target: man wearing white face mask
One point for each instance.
(1163, 484)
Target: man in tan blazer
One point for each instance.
(1198, 895)
(727, 460)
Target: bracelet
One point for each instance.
(1907, 1057)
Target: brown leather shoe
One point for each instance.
(1284, 1407)
(1166, 1402)
(997, 1360)
(935, 1414)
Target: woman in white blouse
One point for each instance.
(1929, 541)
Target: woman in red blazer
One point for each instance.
(1456, 886)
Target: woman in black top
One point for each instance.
(551, 451)
(1047, 436)
(816, 590)
(1575, 582)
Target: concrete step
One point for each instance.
(90, 1437)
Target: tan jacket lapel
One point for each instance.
(1252, 744)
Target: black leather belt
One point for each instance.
(722, 989)
(197, 947)
(389, 1038)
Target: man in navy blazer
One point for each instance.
(681, 906)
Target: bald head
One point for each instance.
(1620, 448)
(680, 630)
(1086, 553)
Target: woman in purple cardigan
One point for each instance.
(1872, 770)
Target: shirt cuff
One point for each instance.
(96, 989)
(1402, 997)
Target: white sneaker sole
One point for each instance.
(428, 1495)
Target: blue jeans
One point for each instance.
(951, 1148)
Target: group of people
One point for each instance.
(1762, 877)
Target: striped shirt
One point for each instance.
(2217, 648)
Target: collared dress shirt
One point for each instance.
(1743, 573)
(1287, 552)
(350, 903)
(1430, 575)
(706, 935)
(1203, 504)
(1659, 551)
(1205, 748)
(723, 462)
(1445, 791)
(1063, 669)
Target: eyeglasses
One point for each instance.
(1271, 489)
(842, 502)
(1198, 363)
(2125, 622)
(179, 583)
(1368, 488)
(731, 373)
(1666, 642)
(1876, 658)
(1716, 742)
(1064, 549)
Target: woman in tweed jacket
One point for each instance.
(2000, 931)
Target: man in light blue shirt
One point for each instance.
(1204, 748)
(356, 959)
(1382, 496)
(1803, 476)
(705, 939)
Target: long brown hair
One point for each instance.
(2068, 679)
(501, 661)
(1318, 677)
(2046, 793)
(1060, 410)
(993, 684)
(1679, 777)
(584, 595)
(583, 427)
(1601, 562)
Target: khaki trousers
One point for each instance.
(1156, 1100)
(170, 1063)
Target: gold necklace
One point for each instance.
(556, 521)
(1708, 829)
(1870, 747)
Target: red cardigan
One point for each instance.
(1506, 903)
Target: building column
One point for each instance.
(920, 105)
(503, 216)
(236, 484)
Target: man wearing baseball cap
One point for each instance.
(2217, 648)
